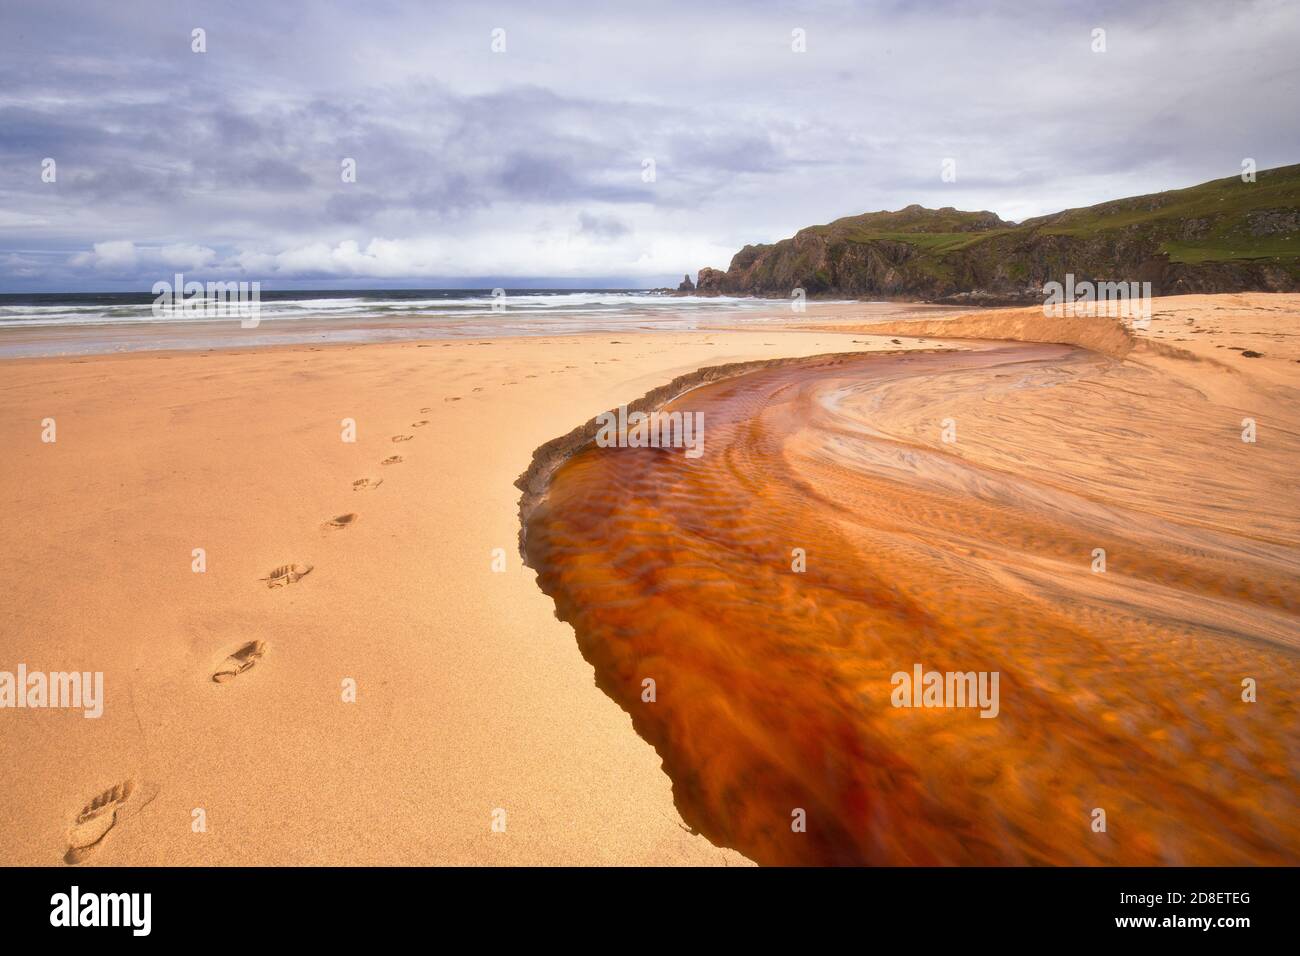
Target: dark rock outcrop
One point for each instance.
(710, 280)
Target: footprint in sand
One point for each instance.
(402, 437)
(456, 398)
(239, 661)
(420, 424)
(341, 521)
(362, 484)
(425, 411)
(287, 574)
(95, 820)
(478, 388)
(392, 460)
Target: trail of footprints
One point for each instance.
(105, 810)
(287, 574)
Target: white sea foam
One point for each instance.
(84, 324)
(554, 303)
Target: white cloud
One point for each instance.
(539, 249)
(186, 255)
(118, 255)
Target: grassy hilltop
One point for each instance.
(1220, 236)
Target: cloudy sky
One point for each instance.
(528, 166)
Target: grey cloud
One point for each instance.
(606, 227)
(239, 149)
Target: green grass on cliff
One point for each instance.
(1215, 221)
(1225, 220)
(913, 220)
(936, 241)
(1227, 248)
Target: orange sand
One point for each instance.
(471, 696)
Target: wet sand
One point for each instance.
(951, 508)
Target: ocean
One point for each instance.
(34, 324)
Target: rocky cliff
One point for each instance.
(1222, 236)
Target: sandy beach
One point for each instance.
(470, 695)
(649, 444)
(473, 704)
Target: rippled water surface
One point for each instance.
(1119, 690)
